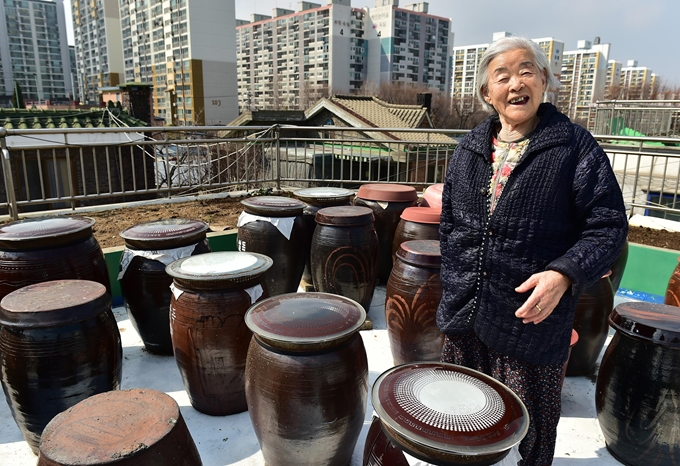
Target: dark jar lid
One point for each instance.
(57, 302)
(114, 427)
(324, 197)
(655, 323)
(44, 231)
(164, 234)
(388, 192)
(273, 206)
(421, 215)
(344, 216)
(432, 196)
(212, 269)
(421, 252)
(301, 322)
(445, 411)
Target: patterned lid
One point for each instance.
(273, 206)
(224, 265)
(344, 216)
(448, 409)
(421, 252)
(43, 228)
(167, 231)
(421, 215)
(324, 196)
(301, 321)
(656, 323)
(388, 192)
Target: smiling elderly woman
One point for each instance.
(532, 215)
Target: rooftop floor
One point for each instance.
(230, 440)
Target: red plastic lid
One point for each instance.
(421, 252)
(432, 197)
(656, 323)
(574, 338)
(344, 216)
(388, 192)
(421, 215)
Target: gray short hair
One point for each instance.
(507, 44)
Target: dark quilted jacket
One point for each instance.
(561, 209)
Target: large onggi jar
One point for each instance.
(417, 223)
(274, 226)
(149, 248)
(387, 201)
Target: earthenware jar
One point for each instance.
(446, 414)
(274, 226)
(379, 450)
(49, 248)
(411, 300)
(619, 268)
(416, 223)
(432, 196)
(315, 199)
(306, 378)
(59, 344)
(572, 342)
(124, 427)
(145, 286)
(387, 201)
(636, 395)
(210, 296)
(344, 253)
(592, 325)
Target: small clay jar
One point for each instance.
(432, 197)
(416, 223)
(145, 286)
(210, 296)
(344, 253)
(306, 378)
(315, 199)
(59, 344)
(411, 299)
(274, 226)
(122, 428)
(387, 201)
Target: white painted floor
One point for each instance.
(230, 440)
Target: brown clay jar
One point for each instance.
(306, 378)
(379, 450)
(59, 344)
(387, 201)
(416, 223)
(211, 294)
(274, 226)
(145, 286)
(344, 253)
(411, 299)
(123, 428)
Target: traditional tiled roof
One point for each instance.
(112, 116)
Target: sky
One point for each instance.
(642, 30)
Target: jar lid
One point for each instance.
(432, 196)
(224, 265)
(305, 321)
(421, 252)
(344, 216)
(57, 302)
(16, 235)
(110, 425)
(166, 232)
(421, 215)
(273, 206)
(324, 196)
(445, 411)
(388, 192)
(656, 323)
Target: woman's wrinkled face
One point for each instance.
(515, 87)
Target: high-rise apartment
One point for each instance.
(637, 82)
(33, 50)
(612, 84)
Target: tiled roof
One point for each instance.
(12, 118)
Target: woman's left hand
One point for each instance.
(549, 286)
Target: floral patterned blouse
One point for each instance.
(504, 158)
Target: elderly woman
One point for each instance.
(532, 215)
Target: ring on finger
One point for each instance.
(539, 308)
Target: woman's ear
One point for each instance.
(485, 93)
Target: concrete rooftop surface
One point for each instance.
(230, 440)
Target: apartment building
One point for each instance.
(612, 84)
(33, 50)
(186, 50)
(584, 71)
(73, 75)
(637, 82)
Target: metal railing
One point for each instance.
(46, 169)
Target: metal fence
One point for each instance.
(46, 169)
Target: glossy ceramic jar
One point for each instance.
(49, 248)
(619, 267)
(379, 450)
(274, 226)
(59, 344)
(306, 378)
(211, 294)
(315, 199)
(145, 286)
(411, 300)
(344, 253)
(387, 201)
(432, 196)
(125, 427)
(417, 223)
(636, 395)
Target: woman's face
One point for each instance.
(515, 87)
